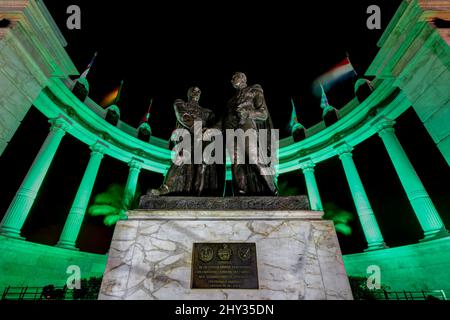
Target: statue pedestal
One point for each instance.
(297, 255)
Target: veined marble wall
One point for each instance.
(31, 51)
(18, 89)
(298, 255)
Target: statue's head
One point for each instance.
(239, 80)
(194, 94)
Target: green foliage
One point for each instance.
(90, 289)
(112, 220)
(340, 217)
(360, 290)
(51, 293)
(109, 204)
(285, 190)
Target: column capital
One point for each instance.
(135, 164)
(307, 165)
(60, 124)
(383, 125)
(98, 148)
(343, 150)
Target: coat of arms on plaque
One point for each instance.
(225, 253)
(244, 253)
(206, 254)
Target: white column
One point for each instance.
(366, 216)
(419, 199)
(20, 207)
(311, 185)
(77, 212)
(130, 188)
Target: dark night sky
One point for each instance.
(160, 50)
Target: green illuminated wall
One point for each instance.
(30, 264)
(423, 266)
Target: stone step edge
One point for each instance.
(143, 214)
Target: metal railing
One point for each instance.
(37, 293)
(62, 293)
(410, 295)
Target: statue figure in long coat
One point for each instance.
(247, 110)
(191, 179)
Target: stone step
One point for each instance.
(149, 202)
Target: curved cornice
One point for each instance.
(353, 128)
(57, 100)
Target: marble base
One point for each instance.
(298, 255)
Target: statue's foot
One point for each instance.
(154, 192)
(161, 191)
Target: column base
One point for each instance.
(439, 234)
(67, 246)
(11, 234)
(376, 246)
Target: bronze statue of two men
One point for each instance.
(249, 143)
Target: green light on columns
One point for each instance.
(130, 187)
(366, 216)
(421, 203)
(311, 186)
(77, 212)
(20, 207)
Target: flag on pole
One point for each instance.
(86, 72)
(324, 104)
(147, 115)
(294, 123)
(324, 100)
(119, 93)
(342, 71)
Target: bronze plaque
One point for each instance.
(224, 266)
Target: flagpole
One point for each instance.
(116, 101)
(86, 72)
(353, 67)
(150, 106)
(147, 116)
